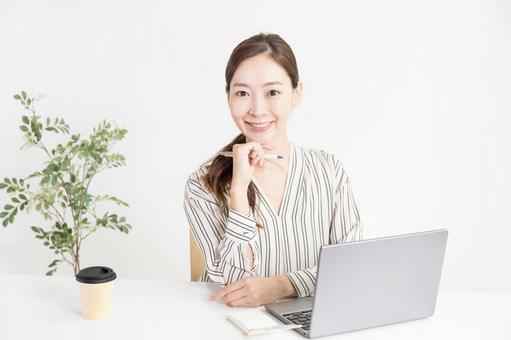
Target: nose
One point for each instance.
(259, 106)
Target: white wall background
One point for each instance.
(414, 96)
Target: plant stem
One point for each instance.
(77, 258)
(76, 250)
(58, 216)
(66, 259)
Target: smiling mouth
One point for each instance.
(259, 125)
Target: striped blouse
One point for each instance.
(317, 208)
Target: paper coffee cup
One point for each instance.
(96, 291)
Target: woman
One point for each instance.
(260, 222)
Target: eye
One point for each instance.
(242, 93)
(273, 93)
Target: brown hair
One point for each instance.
(219, 172)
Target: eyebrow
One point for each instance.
(265, 84)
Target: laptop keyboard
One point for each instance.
(302, 317)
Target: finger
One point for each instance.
(256, 150)
(252, 153)
(229, 288)
(255, 146)
(260, 152)
(244, 149)
(241, 302)
(256, 160)
(235, 295)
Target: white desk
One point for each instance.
(39, 307)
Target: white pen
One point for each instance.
(266, 156)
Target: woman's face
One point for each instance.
(260, 99)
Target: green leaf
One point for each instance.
(23, 128)
(65, 164)
(3, 185)
(53, 263)
(8, 207)
(35, 174)
(5, 222)
(11, 217)
(50, 273)
(34, 229)
(3, 214)
(24, 94)
(25, 120)
(17, 97)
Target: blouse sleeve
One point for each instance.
(223, 242)
(345, 226)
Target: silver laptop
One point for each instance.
(369, 283)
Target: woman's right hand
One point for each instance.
(245, 159)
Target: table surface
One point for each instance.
(40, 307)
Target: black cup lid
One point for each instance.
(97, 274)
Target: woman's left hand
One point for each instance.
(255, 291)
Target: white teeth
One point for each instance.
(260, 125)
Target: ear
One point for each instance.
(297, 94)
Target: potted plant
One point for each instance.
(60, 190)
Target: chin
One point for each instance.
(263, 139)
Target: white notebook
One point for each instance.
(257, 321)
